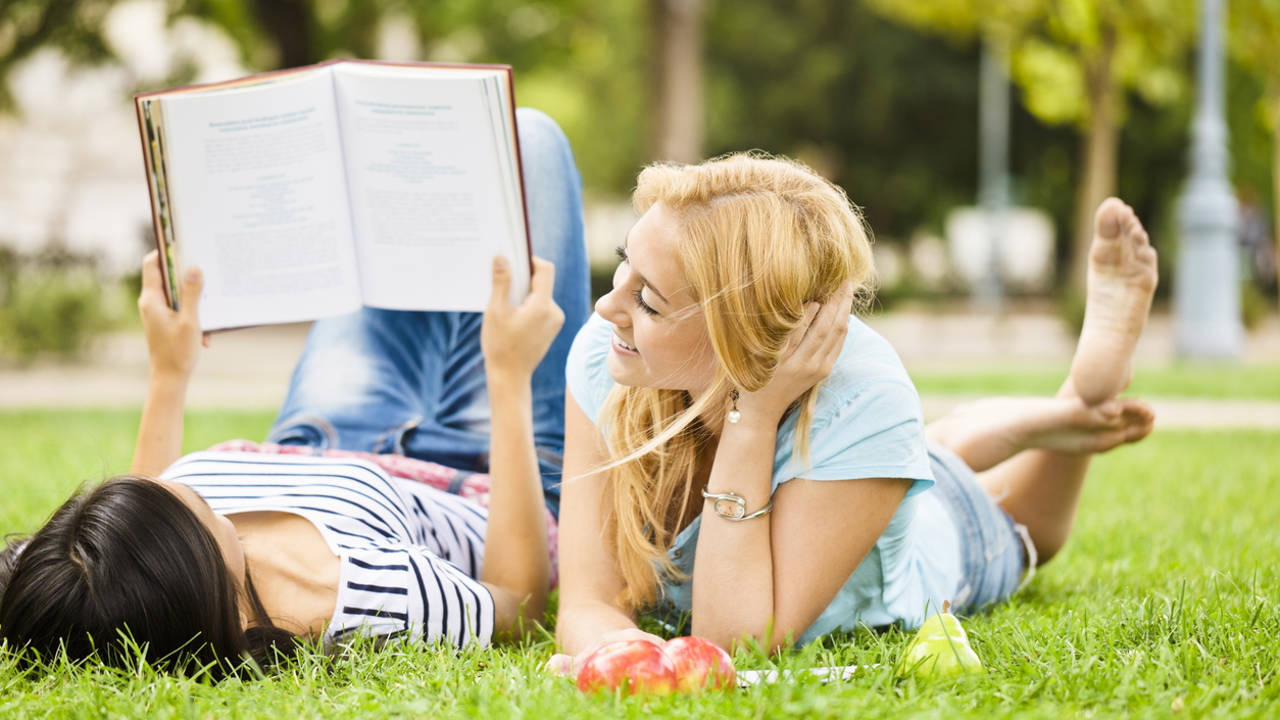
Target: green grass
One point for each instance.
(1166, 597)
(1192, 380)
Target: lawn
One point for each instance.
(1164, 602)
(1182, 380)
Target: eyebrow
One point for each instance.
(622, 251)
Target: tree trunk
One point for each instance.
(288, 23)
(676, 38)
(1275, 179)
(1098, 162)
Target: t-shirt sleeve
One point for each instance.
(877, 432)
(406, 591)
(587, 370)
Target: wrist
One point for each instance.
(168, 378)
(507, 383)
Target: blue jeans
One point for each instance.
(993, 550)
(413, 383)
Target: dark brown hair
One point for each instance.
(127, 563)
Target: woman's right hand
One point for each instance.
(562, 664)
(515, 337)
(173, 337)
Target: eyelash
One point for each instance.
(642, 304)
(622, 256)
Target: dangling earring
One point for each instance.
(734, 416)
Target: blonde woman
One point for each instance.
(746, 459)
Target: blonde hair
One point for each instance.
(760, 237)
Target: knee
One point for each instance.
(543, 144)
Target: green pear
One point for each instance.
(940, 648)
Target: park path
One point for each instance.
(249, 369)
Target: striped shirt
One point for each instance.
(410, 555)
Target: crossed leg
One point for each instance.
(1032, 454)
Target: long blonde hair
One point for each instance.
(760, 237)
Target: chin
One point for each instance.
(621, 375)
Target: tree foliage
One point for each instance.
(1053, 43)
(863, 90)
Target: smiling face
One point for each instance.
(660, 336)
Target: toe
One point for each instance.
(1111, 218)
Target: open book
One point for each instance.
(311, 192)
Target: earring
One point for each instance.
(734, 416)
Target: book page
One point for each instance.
(430, 199)
(258, 199)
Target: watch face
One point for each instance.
(733, 508)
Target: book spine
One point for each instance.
(524, 201)
(153, 160)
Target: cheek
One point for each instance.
(683, 353)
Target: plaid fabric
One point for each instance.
(472, 486)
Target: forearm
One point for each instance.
(159, 441)
(581, 625)
(516, 556)
(733, 577)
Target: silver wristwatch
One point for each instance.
(732, 506)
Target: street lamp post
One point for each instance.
(993, 168)
(1207, 291)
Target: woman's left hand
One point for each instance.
(515, 337)
(173, 336)
(808, 359)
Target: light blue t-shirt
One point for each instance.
(867, 424)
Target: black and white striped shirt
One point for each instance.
(410, 554)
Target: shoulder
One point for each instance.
(867, 360)
(587, 370)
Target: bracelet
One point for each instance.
(732, 506)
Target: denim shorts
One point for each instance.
(994, 550)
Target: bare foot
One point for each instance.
(1122, 278)
(1094, 428)
(987, 432)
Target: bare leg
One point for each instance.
(1121, 281)
(1036, 454)
(987, 432)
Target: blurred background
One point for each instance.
(935, 116)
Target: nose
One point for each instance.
(610, 306)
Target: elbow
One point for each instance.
(727, 636)
(765, 637)
(529, 615)
(533, 611)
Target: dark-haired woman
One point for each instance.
(328, 532)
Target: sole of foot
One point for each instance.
(989, 431)
(1121, 282)
(1080, 428)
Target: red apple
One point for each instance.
(639, 666)
(700, 664)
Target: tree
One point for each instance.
(27, 25)
(1074, 60)
(1254, 29)
(676, 33)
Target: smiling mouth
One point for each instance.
(623, 345)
